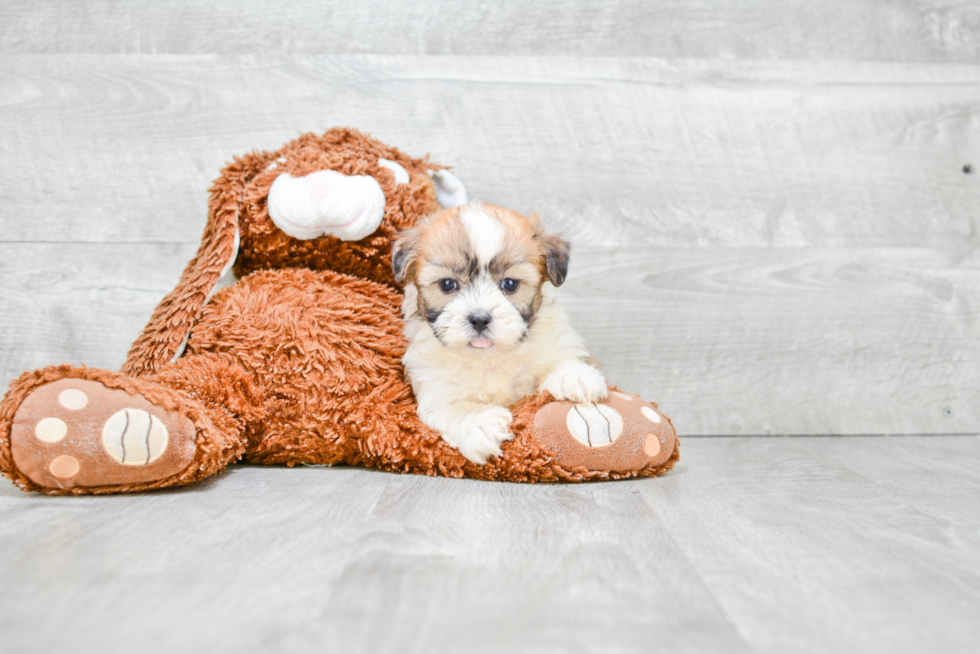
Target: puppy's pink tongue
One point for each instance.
(481, 342)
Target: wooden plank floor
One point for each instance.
(777, 545)
(775, 215)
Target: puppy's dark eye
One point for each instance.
(509, 285)
(448, 285)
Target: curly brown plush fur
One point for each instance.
(299, 362)
(238, 204)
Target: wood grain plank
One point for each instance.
(837, 30)
(79, 303)
(861, 544)
(728, 341)
(787, 340)
(609, 151)
(774, 545)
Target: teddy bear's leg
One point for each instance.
(619, 438)
(67, 430)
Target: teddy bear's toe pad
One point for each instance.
(76, 432)
(621, 434)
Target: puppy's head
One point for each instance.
(478, 270)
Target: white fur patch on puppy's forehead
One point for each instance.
(486, 232)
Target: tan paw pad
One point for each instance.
(72, 399)
(650, 414)
(133, 437)
(64, 466)
(651, 444)
(50, 430)
(594, 425)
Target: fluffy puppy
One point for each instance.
(482, 324)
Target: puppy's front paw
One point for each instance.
(479, 434)
(576, 381)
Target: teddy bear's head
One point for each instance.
(327, 202)
(330, 202)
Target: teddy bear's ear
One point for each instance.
(398, 170)
(403, 255)
(450, 192)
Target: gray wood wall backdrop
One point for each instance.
(773, 229)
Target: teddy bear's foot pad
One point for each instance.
(623, 433)
(77, 432)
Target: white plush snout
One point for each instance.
(326, 202)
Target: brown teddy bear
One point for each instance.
(298, 362)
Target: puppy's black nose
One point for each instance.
(480, 321)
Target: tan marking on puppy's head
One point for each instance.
(478, 270)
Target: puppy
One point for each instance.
(482, 324)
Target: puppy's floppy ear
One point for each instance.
(556, 254)
(403, 255)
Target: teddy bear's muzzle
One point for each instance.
(326, 202)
